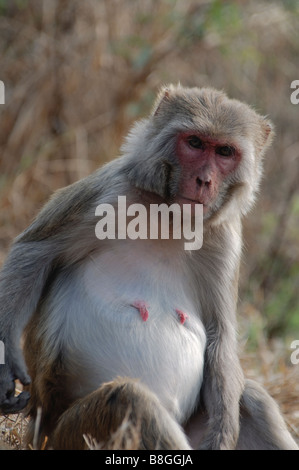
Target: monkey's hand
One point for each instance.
(9, 372)
(224, 422)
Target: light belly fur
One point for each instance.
(111, 339)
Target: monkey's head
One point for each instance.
(198, 146)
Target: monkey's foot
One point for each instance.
(182, 316)
(142, 307)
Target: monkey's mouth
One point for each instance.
(191, 200)
(188, 199)
(180, 199)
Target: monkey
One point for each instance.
(143, 329)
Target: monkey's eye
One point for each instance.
(195, 142)
(225, 151)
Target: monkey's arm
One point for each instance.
(223, 378)
(222, 389)
(53, 239)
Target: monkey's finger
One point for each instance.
(15, 404)
(20, 373)
(7, 388)
(24, 378)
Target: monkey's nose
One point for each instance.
(202, 183)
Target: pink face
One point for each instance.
(205, 164)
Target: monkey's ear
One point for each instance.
(164, 97)
(267, 132)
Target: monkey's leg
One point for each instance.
(261, 425)
(122, 414)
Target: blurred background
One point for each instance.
(77, 74)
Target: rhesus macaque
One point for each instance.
(143, 328)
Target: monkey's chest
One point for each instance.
(143, 324)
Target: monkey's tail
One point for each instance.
(123, 414)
